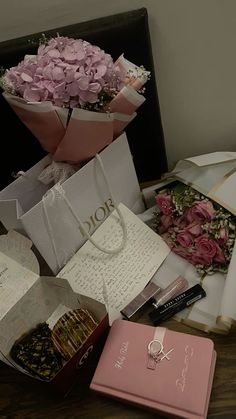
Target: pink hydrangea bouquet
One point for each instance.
(73, 97)
(195, 228)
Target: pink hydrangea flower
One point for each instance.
(67, 72)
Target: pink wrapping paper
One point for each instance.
(120, 122)
(87, 132)
(127, 101)
(95, 128)
(41, 119)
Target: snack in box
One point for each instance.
(43, 352)
(71, 330)
(35, 353)
(26, 327)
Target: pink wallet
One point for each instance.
(157, 368)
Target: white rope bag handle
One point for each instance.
(77, 218)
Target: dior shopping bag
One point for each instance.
(23, 203)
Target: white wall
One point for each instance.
(194, 48)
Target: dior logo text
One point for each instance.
(122, 355)
(181, 381)
(99, 215)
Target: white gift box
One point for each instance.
(213, 175)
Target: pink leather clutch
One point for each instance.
(157, 368)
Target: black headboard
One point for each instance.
(126, 33)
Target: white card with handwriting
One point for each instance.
(123, 275)
(15, 281)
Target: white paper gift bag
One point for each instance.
(40, 211)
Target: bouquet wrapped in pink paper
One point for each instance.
(196, 228)
(73, 97)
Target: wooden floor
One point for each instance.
(22, 397)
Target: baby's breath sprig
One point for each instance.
(43, 40)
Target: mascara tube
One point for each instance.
(167, 310)
(176, 287)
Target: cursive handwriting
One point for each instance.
(122, 355)
(181, 382)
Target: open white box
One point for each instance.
(213, 175)
(27, 299)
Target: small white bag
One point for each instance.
(23, 203)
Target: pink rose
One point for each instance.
(180, 251)
(194, 228)
(200, 211)
(206, 248)
(164, 202)
(219, 256)
(165, 223)
(184, 238)
(198, 258)
(180, 222)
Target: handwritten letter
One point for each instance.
(122, 275)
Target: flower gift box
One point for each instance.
(47, 330)
(194, 208)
